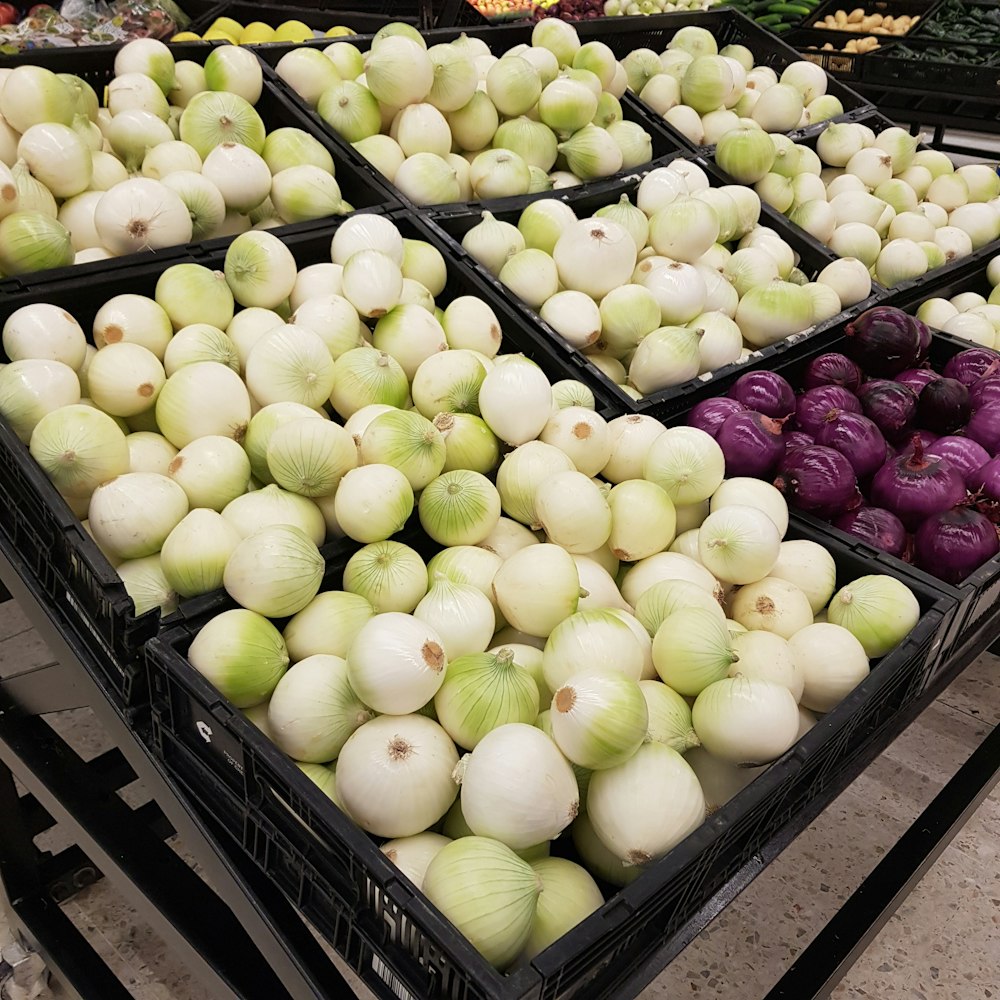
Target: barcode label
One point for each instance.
(390, 979)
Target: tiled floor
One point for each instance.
(943, 944)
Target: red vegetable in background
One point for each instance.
(710, 414)
(833, 369)
(985, 479)
(765, 392)
(886, 341)
(815, 406)
(963, 453)
(954, 543)
(878, 527)
(917, 378)
(857, 439)
(798, 439)
(916, 486)
(986, 390)
(972, 365)
(891, 405)
(984, 427)
(751, 443)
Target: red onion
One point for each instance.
(923, 335)
(924, 438)
(817, 405)
(984, 427)
(818, 480)
(916, 486)
(878, 527)
(972, 365)
(885, 341)
(985, 479)
(857, 439)
(986, 390)
(955, 543)
(943, 406)
(833, 369)
(710, 414)
(891, 405)
(917, 378)
(962, 453)
(798, 439)
(765, 392)
(752, 444)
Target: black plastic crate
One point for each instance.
(361, 186)
(838, 63)
(446, 14)
(977, 598)
(51, 538)
(666, 142)
(453, 223)
(334, 873)
(951, 68)
(887, 8)
(357, 16)
(730, 27)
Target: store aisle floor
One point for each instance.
(943, 944)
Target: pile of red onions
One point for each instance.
(876, 441)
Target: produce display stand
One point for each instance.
(275, 862)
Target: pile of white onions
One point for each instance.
(454, 122)
(704, 91)
(178, 155)
(551, 671)
(968, 315)
(872, 197)
(678, 283)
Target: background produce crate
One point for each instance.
(666, 143)
(887, 8)
(454, 222)
(356, 16)
(840, 64)
(334, 873)
(444, 12)
(937, 65)
(360, 185)
(51, 538)
(977, 598)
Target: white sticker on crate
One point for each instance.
(390, 979)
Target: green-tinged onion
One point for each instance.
(394, 775)
(242, 654)
(831, 661)
(483, 691)
(364, 376)
(212, 118)
(310, 457)
(195, 553)
(643, 520)
(305, 192)
(328, 624)
(687, 463)
(271, 506)
(410, 334)
(474, 125)
(692, 649)
(772, 604)
(573, 511)
(373, 502)
(276, 571)
(461, 614)
(412, 855)
(31, 241)
(35, 95)
(292, 147)
(591, 642)
(569, 896)
(767, 657)
(260, 270)
(669, 717)
(536, 588)
(212, 470)
(201, 198)
(877, 610)
(146, 584)
(459, 508)
(664, 598)
(389, 575)
(406, 441)
(290, 364)
(522, 472)
(488, 893)
(79, 448)
(747, 155)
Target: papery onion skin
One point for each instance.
(966, 455)
(878, 527)
(971, 365)
(818, 480)
(752, 444)
(817, 406)
(833, 369)
(891, 405)
(955, 543)
(710, 414)
(885, 341)
(766, 392)
(857, 439)
(916, 486)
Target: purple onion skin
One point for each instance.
(891, 405)
(857, 439)
(970, 366)
(986, 390)
(710, 414)
(878, 527)
(984, 427)
(923, 335)
(751, 443)
(833, 369)
(966, 455)
(985, 479)
(955, 543)
(885, 341)
(798, 439)
(817, 405)
(915, 487)
(924, 438)
(818, 480)
(766, 392)
(943, 406)
(917, 378)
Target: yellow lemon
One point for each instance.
(186, 36)
(228, 25)
(340, 32)
(293, 31)
(218, 35)
(256, 33)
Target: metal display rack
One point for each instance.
(240, 936)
